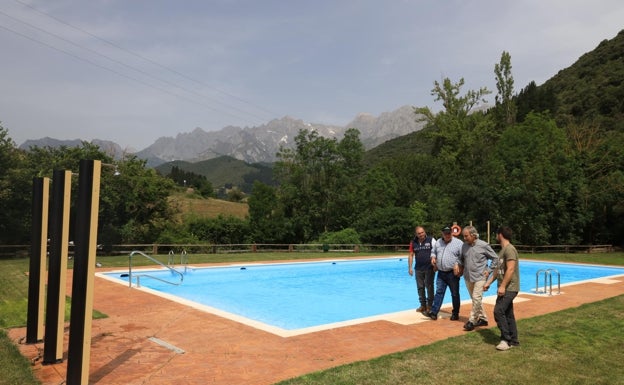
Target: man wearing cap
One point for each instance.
(446, 258)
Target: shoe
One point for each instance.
(503, 345)
(481, 322)
(421, 309)
(469, 326)
(454, 317)
(514, 343)
(433, 316)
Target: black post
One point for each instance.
(78, 356)
(57, 267)
(38, 250)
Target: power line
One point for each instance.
(116, 72)
(271, 114)
(134, 68)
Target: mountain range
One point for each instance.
(254, 144)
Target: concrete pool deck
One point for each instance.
(150, 340)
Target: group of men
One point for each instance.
(475, 259)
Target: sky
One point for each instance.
(134, 71)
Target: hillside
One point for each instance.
(414, 143)
(191, 206)
(593, 87)
(224, 170)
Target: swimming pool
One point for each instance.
(298, 296)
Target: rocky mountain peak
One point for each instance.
(256, 144)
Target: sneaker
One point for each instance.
(503, 346)
(469, 326)
(433, 316)
(481, 322)
(514, 343)
(454, 317)
(421, 309)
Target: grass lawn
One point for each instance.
(581, 345)
(575, 346)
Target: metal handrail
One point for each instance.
(547, 280)
(148, 275)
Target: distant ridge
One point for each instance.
(254, 144)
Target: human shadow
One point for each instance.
(489, 336)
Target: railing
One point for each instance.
(138, 276)
(564, 249)
(547, 281)
(209, 248)
(183, 259)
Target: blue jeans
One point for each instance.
(505, 318)
(446, 279)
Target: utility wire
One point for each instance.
(271, 114)
(116, 72)
(133, 68)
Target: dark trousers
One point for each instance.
(424, 284)
(446, 279)
(505, 318)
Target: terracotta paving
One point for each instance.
(222, 351)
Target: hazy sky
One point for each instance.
(132, 71)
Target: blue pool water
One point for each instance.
(299, 295)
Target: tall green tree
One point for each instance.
(538, 183)
(267, 223)
(454, 124)
(345, 205)
(600, 156)
(505, 104)
(135, 204)
(315, 177)
(535, 99)
(464, 137)
(15, 188)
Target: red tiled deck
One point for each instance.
(221, 351)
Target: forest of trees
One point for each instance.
(530, 162)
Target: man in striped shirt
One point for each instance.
(446, 258)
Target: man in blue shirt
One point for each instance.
(446, 258)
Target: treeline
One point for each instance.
(134, 203)
(189, 179)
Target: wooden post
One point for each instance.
(78, 356)
(38, 251)
(57, 267)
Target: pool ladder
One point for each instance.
(138, 276)
(183, 259)
(548, 273)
